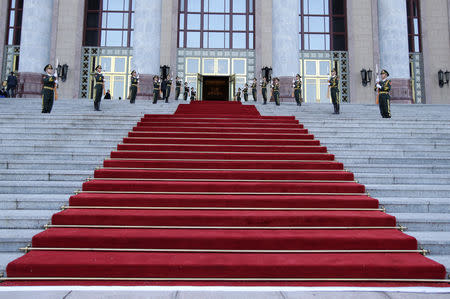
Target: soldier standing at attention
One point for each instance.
(238, 94)
(333, 84)
(48, 90)
(245, 91)
(164, 88)
(384, 87)
(177, 88)
(99, 87)
(133, 87)
(193, 94)
(156, 89)
(264, 90)
(168, 87)
(276, 91)
(186, 91)
(254, 89)
(298, 89)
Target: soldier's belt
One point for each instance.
(134, 85)
(47, 87)
(384, 92)
(297, 88)
(97, 84)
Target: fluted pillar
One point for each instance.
(285, 40)
(394, 49)
(147, 43)
(35, 44)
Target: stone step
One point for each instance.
(20, 201)
(88, 141)
(13, 239)
(72, 130)
(444, 259)
(97, 156)
(62, 148)
(396, 168)
(43, 175)
(437, 222)
(39, 187)
(50, 165)
(24, 219)
(436, 242)
(6, 257)
(337, 147)
(415, 205)
(413, 178)
(440, 161)
(399, 190)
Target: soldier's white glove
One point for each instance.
(56, 81)
(329, 84)
(378, 86)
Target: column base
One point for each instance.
(145, 91)
(401, 91)
(286, 89)
(29, 85)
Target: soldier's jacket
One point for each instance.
(178, 84)
(169, 83)
(99, 78)
(245, 90)
(49, 81)
(385, 86)
(297, 84)
(276, 87)
(253, 85)
(334, 82)
(134, 81)
(156, 85)
(264, 85)
(186, 89)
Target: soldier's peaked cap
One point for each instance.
(47, 67)
(98, 67)
(385, 72)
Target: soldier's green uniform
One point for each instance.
(156, 89)
(384, 99)
(298, 91)
(264, 91)
(168, 88)
(238, 95)
(133, 89)
(98, 89)
(48, 93)
(186, 92)
(276, 93)
(334, 91)
(245, 91)
(193, 94)
(177, 89)
(254, 91)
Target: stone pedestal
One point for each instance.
(145, 91)
(285, 40)
(29, 85)
(394, 49)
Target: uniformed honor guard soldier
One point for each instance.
(99, 87)
(193, 94)
(238, 95)
(48, 90)
(245, 91)
(333, 85)
(134, 87)
(156, 89)
(276, 91)
(177, 88)
(384, 87)
(168, 87)
(186, 91)
(254, 89)
(264, 90)
(298, 89)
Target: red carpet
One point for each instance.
(217, 194)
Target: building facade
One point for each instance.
(236, 39)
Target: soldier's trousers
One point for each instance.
(246, 97)
(47, 100)
(98, 96)
(177, 93)
(255, 95)
(335, 99)
(133, 92)
(384, 102)
(155, 95)
(167, 93)
(264, 94)
(276, 97)
(297, 94)
(185, 96)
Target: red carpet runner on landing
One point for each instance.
(217, 194)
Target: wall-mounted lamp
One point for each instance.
(366, 76)
(62, 71)
(267, 73)
(165, 69)
(444, 78)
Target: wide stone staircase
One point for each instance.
(403, 161)
(44, 158)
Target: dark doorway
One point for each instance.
(216, 88)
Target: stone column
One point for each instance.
(394, 49)
(3, 17)
(147, 44)
(285, 44)
(35, 44)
